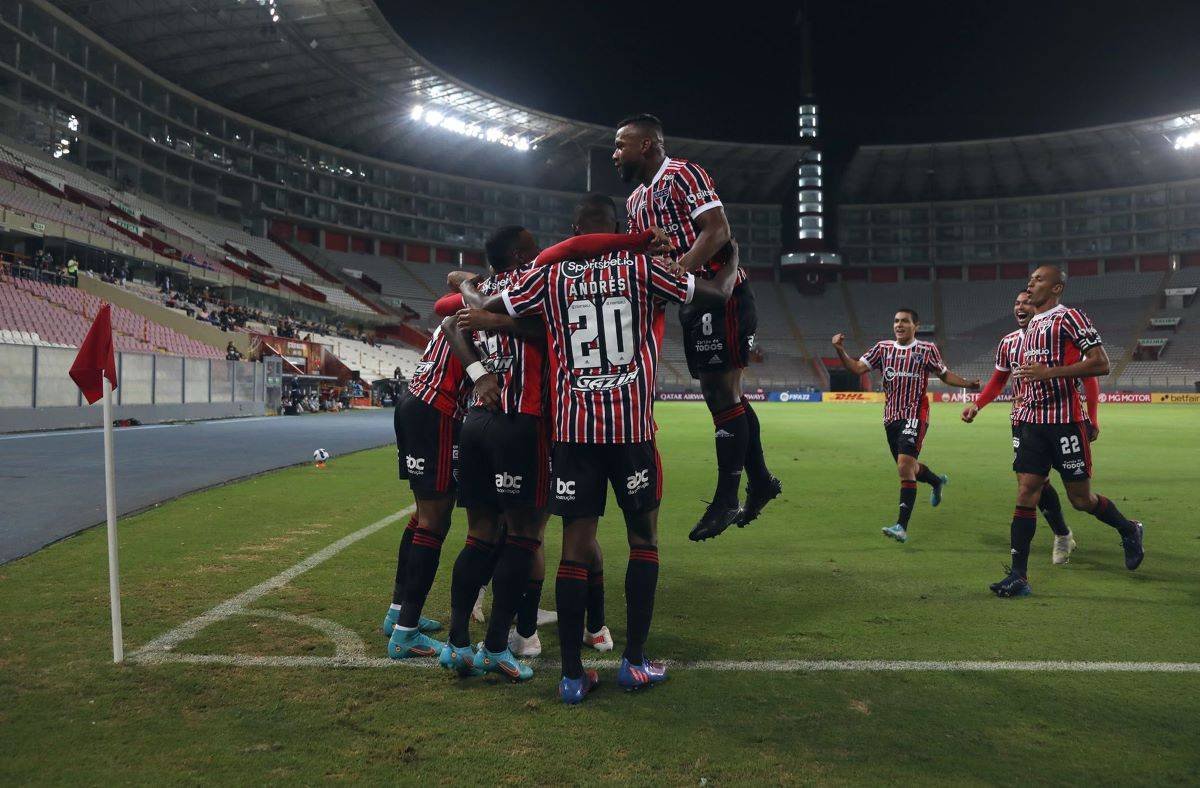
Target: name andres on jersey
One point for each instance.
(598, 287)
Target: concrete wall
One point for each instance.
(35, 419)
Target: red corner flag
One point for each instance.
(96, 358)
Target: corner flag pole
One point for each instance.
(110, 507)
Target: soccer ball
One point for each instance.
(320, 456)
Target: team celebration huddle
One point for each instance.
(536, 393)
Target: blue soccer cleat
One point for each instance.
(460, 659)
(389, 623)
(896, 532)
(406, 643)
(1012, 586)
(502, 662)
(573, 691)
(632, 677)
(935, 497)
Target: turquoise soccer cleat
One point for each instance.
(460, 659)
(896, 532)
(389, 623)
(935, 497)
(407, 643)
(502, 662)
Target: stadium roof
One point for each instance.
(336, 71)
(1101, 157)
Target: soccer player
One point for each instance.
(905, 364)
(680, 196)
(1008, 356)
(604, 318)
(1060, 347)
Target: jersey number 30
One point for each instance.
(616, 315)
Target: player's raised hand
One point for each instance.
(660, 242)
(478, 320)
(487, 388)
(970, 412)
(454, 279)
(839, 340)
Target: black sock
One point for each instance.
(1106, 512)
(422, 567)
(595, 601)
(1024, 524)
(641, 579)
(1051, 509)
(908, 499)
(756, 463)
(924, 474)
(402, 560)
(570, 597)
(527, 610)
(508, 584)
(731, 435)
(470, 570)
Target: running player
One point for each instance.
(680, 196)
(1008, 356)
(1060, 347)
(905, 364)
(604, 318)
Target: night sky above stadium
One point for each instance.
(885, 72)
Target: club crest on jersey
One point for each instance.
(662, 193)
(604, 382)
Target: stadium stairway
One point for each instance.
(1119, 367)
(856, 332)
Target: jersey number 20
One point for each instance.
(616, 314)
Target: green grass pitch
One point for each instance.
(812, 579)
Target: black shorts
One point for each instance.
(581, 473)
(717, 338)
(398, 426)
(905, 436)
(1064, 447)
(430, 448)
(505, 461)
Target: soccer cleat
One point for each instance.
(423, 624)
(1063, 547)
(460, 659)
(1133, 546)
(502, 662)
(546, 617)
(632, 677)
(601, 641)
(477, 612)
(406, 643)
(573, 691)
(528, 648)
(896, 532)
(717, 517)
(935, 496)
(756, 499)
(1013, 585)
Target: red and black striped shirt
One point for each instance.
(1056, 338)
(519, 365)
(440, 379)
(905, 370)
(604, 321)
(1008, 356)
(679, 192)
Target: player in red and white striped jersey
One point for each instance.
(905, 364)
(680, 197)
(603, 319)
(1008, 357)
(1060, 347)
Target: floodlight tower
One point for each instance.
(810, 194)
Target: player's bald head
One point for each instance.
(1054, 274)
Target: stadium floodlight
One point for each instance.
(445, 120)
(1187, 141)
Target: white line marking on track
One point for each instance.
(238, 604)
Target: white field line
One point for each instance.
(351, 651)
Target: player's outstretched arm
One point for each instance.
(993, 389)
(473, 299)
(486, 384)
(1093, 364)
(581, 247)
(718, 289)
(528, 328)
(855, 365)
(714, 234)
(951, 379)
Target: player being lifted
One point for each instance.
(1008, 357)
(1060, 347)
(905, 364)
(604, 318)
(680, 197)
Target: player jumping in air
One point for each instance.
(905, 364)
(1060, 347)
(680, 196)
(604, 318)
(1008, 356)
